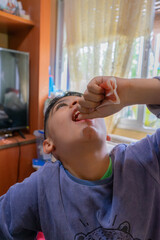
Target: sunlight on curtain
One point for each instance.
(100, 35)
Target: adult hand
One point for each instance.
(99, 100)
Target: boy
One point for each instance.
(89, 193)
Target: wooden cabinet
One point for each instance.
(16, 156)
(8, 168)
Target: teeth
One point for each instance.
(75, 115)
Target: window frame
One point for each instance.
(59, 44)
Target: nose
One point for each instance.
(73, 103)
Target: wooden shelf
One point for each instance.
(10, 23)
(16, 141)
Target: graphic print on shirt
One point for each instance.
(121, 233)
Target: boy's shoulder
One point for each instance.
(144, 153)
(47, 174)
(119, 150)
(50, 167)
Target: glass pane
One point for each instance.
(130, 112)
(150, 120)
(136, 64)
(154, 57)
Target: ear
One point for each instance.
(48, 146)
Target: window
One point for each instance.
(145, 63)
(139, 117)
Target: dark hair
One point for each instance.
(53, 102)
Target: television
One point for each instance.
(14, 90)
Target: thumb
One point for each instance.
(83, 116)
(91, 115)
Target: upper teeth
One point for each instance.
(75, 115)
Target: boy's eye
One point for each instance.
(60, 105)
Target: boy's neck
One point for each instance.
(88, 165)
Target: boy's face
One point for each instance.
(67, 133)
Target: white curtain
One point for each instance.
(101, 34)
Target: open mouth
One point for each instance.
(75, 116)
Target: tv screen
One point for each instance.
(14, 90)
